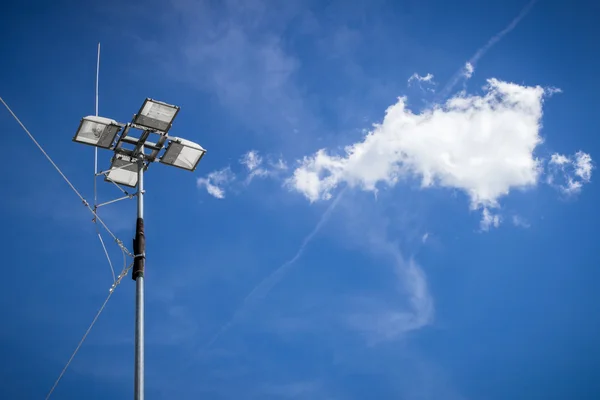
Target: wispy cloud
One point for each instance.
(568, 174)
(253, 163)
(381, 322)
(489, 220)
(252, 160)
(385, 316)
(278, 164)
(468, 70)
(216, 182)
(257, 167)
(235, 50)
(425, 82)
(583, 166)
(418, 78)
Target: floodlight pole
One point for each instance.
(154, 117)
(139, 248)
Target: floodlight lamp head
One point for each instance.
(97, 131)
(123, 170)
(183, 154)
(156, 116)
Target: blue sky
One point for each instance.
(397, 200)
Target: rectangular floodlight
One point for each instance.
(97, 131)
(183, 154)
(156, 115)
(123, 171)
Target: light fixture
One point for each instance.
(183, 154)
(123, 171)
(156, 115)
(97, 131)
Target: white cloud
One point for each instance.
(253, 163)
(252, 160)
(256, 167)
(278, 165)
(489, 220)
(572, 187)
(468, 70)
(559, 159)
(215, 182)
(425, 237)
(568, 174)
(422, 80)
(416, 77)
(583, 166)
(483, 145)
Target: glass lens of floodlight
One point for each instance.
(97, 131)
(183, 154)
(124, 171)
(156, 115)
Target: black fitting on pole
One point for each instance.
(139, 250)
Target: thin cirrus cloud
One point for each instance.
(216, 182)
(489, 220)
(425, 82)
(418, 78)
(219, 182)
(569, 173)
(251, 160)
(468, 70)
(256, 166)
(380, 322)
(253, 163)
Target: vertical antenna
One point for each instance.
(95, 148)
(96, 174)
(97, 77)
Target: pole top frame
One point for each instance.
(153, 120)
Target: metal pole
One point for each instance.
(139, 246)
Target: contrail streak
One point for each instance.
(264, 287)
(481, 52)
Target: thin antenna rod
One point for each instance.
(95, 148)
(97, 77)
(96, 175)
